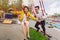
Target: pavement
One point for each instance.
(14, 32)
(11, 32)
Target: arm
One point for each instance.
(32, 16)
(17, 12)
(40, 17)
(20, 16)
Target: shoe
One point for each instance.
(24, 39)
(28, 38)
(42, 32)
(37, 30)
(49, 36)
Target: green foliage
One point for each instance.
(5, 6)
(57, 14)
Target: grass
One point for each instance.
(34, 35)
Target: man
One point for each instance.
(41, 20)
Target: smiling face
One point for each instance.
(37, 9)
(26, 9)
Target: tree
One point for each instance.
(57, 14)
(5, 5)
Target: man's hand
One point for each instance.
(39, 20)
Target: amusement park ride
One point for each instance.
(41, 7)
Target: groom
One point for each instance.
(41, 20)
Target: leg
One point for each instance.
(27, 27)
(24, 30)
(43, 26)
(36, 26)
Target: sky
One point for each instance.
(51, 6)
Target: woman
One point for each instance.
(25, 22)
(24, 16)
